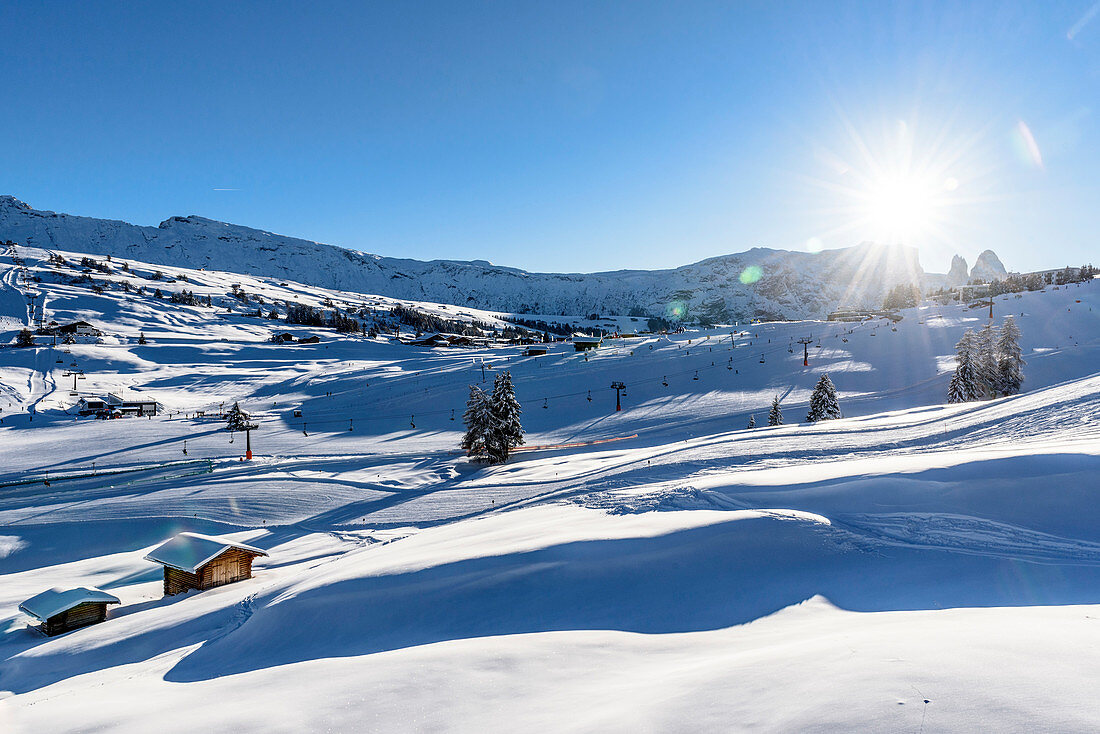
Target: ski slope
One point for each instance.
(912, 566)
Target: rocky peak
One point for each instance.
(988, 267)
(957, 275)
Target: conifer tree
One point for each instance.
(506, 411)
(986, 372)
(775, 416)
(236, 419)
(1010, 361)
(752, 421)
(24, 338)
(479, 421)
(823, 402)
(964, 387)
(961, 389)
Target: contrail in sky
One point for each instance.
(1079, 25)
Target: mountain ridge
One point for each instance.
(760, 282)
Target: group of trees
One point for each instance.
(775, 415)
(546, 327)
(987, 364)
(493, 427)
(824, 405)
(87, 262)
(903, 295)
(426, 322)
(310, 316)
(1074, 275)
(188, 298)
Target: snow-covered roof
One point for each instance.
(57, 600)
(191, 551)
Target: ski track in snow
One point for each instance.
(963, 534)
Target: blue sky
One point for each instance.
(569, 136)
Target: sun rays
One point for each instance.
(903, 184)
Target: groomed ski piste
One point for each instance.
(912, 566)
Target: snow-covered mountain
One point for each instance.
(761, 282)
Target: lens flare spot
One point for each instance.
(814, 244)
(675, 310)
(1026, 146)
(751, 274)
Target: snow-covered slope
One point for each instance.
(914, 565)
(761, 282)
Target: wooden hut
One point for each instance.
(583, 342)
(194, 561)
(60, 610)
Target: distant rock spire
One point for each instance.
(958, 273)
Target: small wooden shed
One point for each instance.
(583, 342)
(195, 561)
(60, 610)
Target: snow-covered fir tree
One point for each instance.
(986, 372)
(506, 410)
(775, 416)
(24, 338)
(480, 425)
(823, 402)
(964, 385)
(961, 389)
(1010, 361)
(236, 419)
(752, 421)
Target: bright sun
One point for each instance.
(896, 187)
(900, 208)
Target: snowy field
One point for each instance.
(913, 566)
